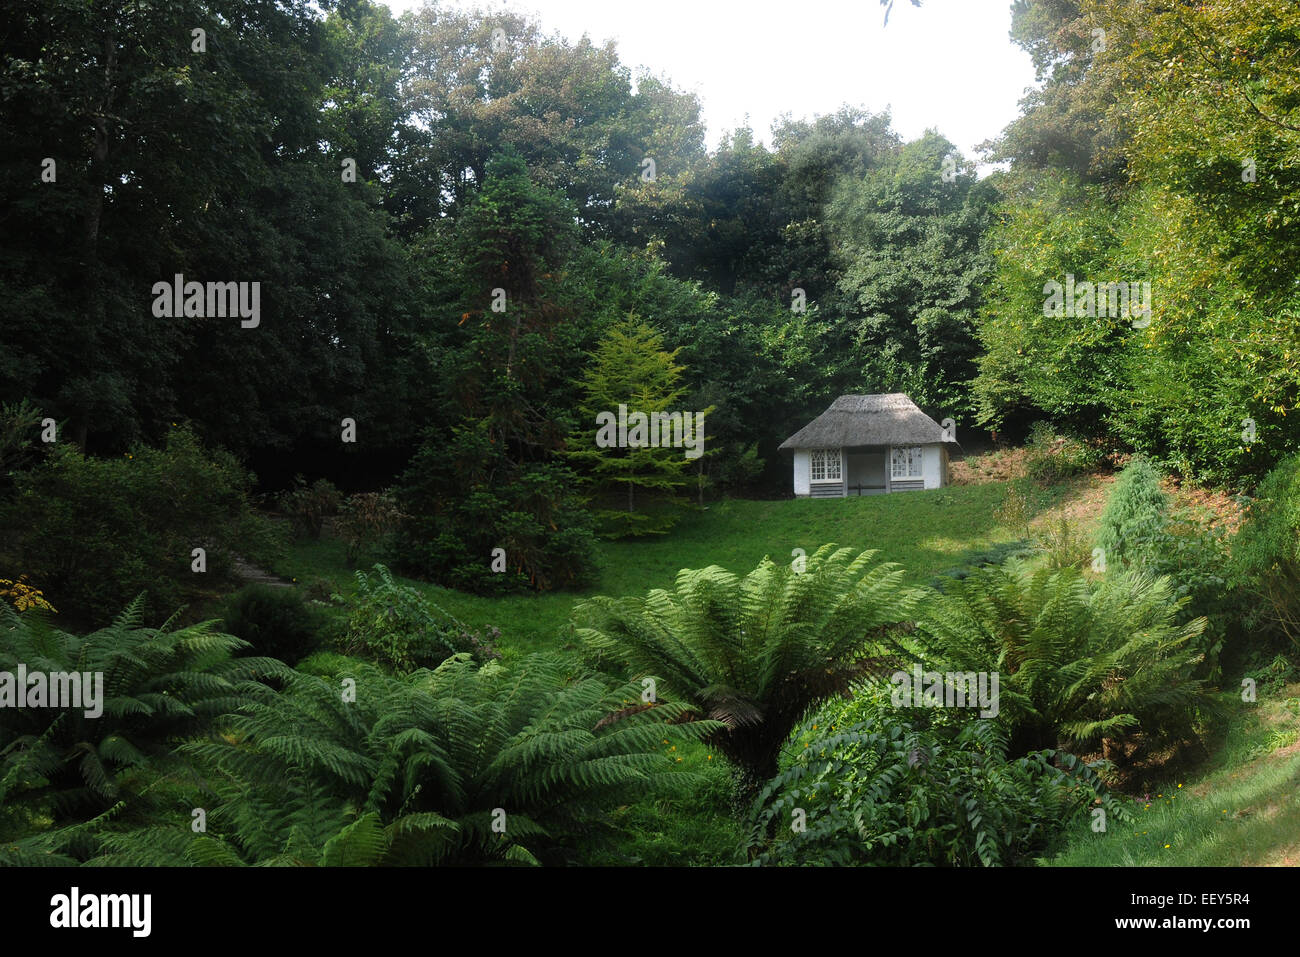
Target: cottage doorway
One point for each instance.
(865, 469)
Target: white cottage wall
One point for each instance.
(802, 470)
(932, 462)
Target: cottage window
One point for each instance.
(826, 465)
(905, 461)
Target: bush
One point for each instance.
(462, 502)
(880, 786)
(1051, 458)
(328, 664)
(418, 770)
(368, 520)
(61, 766)
(1062, 546)
(1015, 510)
(757, 652)
(20, 427)
(1080, 663)
(1139, 529)
(1266, 552)
(394, 624)
(309, 505)
(1134, 514)
(276, 621)
(95, 533)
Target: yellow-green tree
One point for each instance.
(635, 442)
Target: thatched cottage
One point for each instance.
(869, 445)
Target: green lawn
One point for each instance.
(1240, 809)
(1243, 808)
(928, 533)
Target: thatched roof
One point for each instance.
(891, 419)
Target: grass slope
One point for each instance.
(1244, 810)
(927, 532)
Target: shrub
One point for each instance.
(1015, 509)
(1135, 512)
(309, 505)
(1080, 663)
(1138, 528)
(328, 664)
(58, 764)
(368, 520)
(419, 770)
(1062, 546)
(880, 786)
(1051, 458)
(394, 624)
(97, 532)
(20, 427)
(1266, 552)
(1196, 560)
(463, 501)
(318, 589)
(276, 621)
(756, 652)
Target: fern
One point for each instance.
(1079, 663)
(463, 764)
(755, 653)
(160, 685)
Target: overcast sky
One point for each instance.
(948, 65)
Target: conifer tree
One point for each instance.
(635, 485)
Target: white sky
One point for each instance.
(948, 65)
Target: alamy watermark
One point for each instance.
(53, 689)
(1118, 300)
(213, 300)
(654, 430)
(959, 689)
(75, 909)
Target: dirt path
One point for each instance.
(251, 574)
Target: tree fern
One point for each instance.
(1079, 663)
(755, 653)
(160, 686)
(463, 764)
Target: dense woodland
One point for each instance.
(472, 237)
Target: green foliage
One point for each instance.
(462, 765)
(908, 248)
(159, 685)
(276, 622)
(494, 479)
(1138, 528)
(1015, 510)
(1131, 165)
(632, 369)
(1052, 458)
(309, 505)
(1266, 552)
(96, 532)
(20, 429)
(877, 786)
(457, 516)
(247, 137)
(369, 520)
(394, 624)
(693, 828)
(756, 652)
(1080, 663)
(1136, 510)
(1063, 546)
